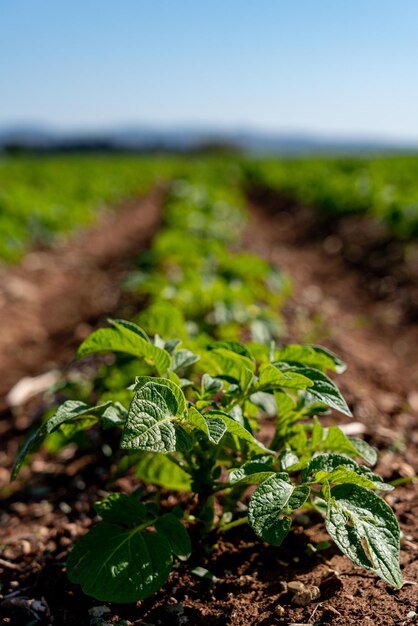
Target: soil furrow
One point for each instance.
(46, 298)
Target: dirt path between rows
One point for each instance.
(331, 305)
(46, 298)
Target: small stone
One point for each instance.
(98, 611)
(295, 585)
(279, 610)
(26, 546)
(308, 595)
(388, 402)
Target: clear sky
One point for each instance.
(334, 67)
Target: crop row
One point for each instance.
(189, 395)
(386, 188)
(44, 197)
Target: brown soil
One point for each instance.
(249, 581)
(45, 298)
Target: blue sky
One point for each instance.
(333, 67)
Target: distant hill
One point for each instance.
(137, 138)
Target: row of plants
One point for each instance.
(386, 188)
(44, 197)
(210, 405)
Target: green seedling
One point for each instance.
(193, 425)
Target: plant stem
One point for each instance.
(237, 522)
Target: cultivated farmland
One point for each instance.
(210, 400)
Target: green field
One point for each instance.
(42, 198)
(193, 378)
(45, 197)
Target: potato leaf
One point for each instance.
(140, 381)
(337, 441)
(311, 356)
(213, 427)
(237, 430)
(365, 529)
(270, 377)
(253, 472)
(338, 469)
(122, 559)
(183, 358)
(322, 388)
(170, 526)
(151, 420)
(69, 412)
(156, 468)
(119, 508)
(270, 505)
(124, 338)
(232, 346)
(231, 366)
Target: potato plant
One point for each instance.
(193, 425)
(197, 279)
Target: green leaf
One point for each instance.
(272, 378)
(156, 468)
(253, 472)
(183, 358)
(232, 346)
(211, 385)
(323, 388)
(237, 430)
(287, 459)
(231, 366)
(140, 381)
(123, 338)
(130, 326)
(176, 534)
(70, 411)
(336, 441)
(116, 564)
(70, 429)
(114, 416)
(339, 469)
(171, 345)
(365, 529)
(339, 365)
(150, 423)
(367, 452)
(119, 508)
(265, 402)
(342, 475)
(270, 505)
(299, 496)
(327, 463)
(213, 427)
(297, 440)
(310, 355)
(184, 442)
(317, 434)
